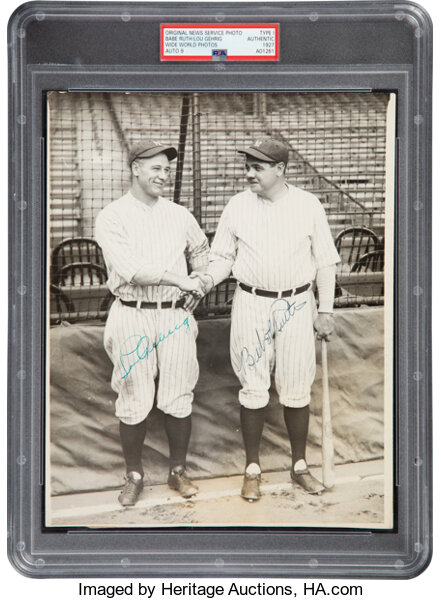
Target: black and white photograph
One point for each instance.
(220, 309)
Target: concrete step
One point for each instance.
(213, 500)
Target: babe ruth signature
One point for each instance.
(140, 347)
(287, 310)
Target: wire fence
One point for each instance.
(337, 147)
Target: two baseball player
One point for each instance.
(275, 240)
(146, 242)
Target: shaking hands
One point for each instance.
(194, 288)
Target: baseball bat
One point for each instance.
(328, 471)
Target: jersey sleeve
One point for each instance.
(324, 251)
(197, 244)
(224, 248)
(325, 281)
(119, 254)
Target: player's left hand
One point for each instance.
(194, 296)
(191, 301)
(324, 326)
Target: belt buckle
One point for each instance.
(158, 304)
(279, 294)
(253, 290)
(138, 304)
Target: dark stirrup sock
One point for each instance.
(297, 421)
(252, 421)
(178, 434)
(132, 441)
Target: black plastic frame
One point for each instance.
(41, 58)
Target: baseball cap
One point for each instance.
(268, 149)
(147, 148)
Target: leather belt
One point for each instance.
(268, 294)
(154, 305)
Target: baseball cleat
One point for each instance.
(132, 488)
(307, 481)
(251, 487)
(178, 480)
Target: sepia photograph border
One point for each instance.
(93, 508)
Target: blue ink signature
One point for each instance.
(137, 347)
(265, 339)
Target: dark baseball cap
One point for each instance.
(147, 148)
(268, 150)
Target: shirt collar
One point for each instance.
(269, 202)
(157, 205)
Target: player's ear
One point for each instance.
(280, 168)
(134, 167)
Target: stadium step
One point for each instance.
(341, 128)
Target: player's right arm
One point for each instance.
(183, 282)
(223, 252)
(128, 263)
(119, 253)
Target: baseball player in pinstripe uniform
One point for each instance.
(275, 239)
(146, 241)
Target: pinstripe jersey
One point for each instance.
(274, 245)
(133, 235)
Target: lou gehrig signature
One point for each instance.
(137, 347)
(282, 311)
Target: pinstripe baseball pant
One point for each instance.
(141, 343)
(268, 332)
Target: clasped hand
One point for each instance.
(194, 287)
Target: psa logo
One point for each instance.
(219, 55)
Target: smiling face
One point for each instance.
(264, 178)
(150, 176)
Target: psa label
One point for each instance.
(219, 55)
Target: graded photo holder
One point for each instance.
(219, 334)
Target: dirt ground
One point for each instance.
(357, 500)
(346, 503)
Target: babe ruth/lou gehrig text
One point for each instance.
(288, 310)
(137, 347)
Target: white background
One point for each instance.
(427, 585)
